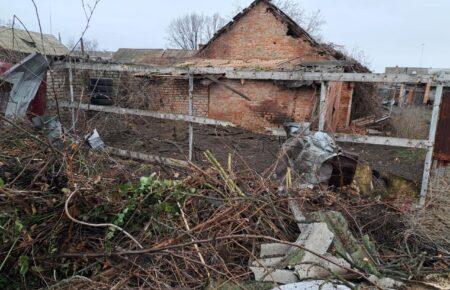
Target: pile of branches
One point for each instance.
(73, 216)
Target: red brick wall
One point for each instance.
(172, 95)
(259, 35)
(271, 104)
(155, 94)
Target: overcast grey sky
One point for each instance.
(391, 32)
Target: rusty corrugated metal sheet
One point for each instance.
(442, 145)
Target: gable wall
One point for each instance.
(260, 35)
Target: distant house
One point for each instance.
(95, 55)
(409, 94)
(152, 56)
(15, 44)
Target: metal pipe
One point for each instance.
(72, 110)
(431, 140)
(322, 107)
(191, 113)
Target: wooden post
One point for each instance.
(431, 140)
(401, 95)
(322, 107)
(426, 97)
(82, 46)
(410, 97)
(191, 113)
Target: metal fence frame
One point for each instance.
(440, 80)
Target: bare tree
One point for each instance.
(212, 25)
(356, 54)
(189, 31)
(7, 23)
(89, 45)
(312, 22)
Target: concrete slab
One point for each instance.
(274, 250)
(312, 285)
(268, 262)
(316, 237)
(317, 268)
(274, 275)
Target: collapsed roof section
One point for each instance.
(294, 30)
(13, 39)
(152, 56)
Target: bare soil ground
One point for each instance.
(170, 139)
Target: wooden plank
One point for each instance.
(239, 73)
(431, 139)
(242, 95)
(144, 113)
(401, 95)
(148, 158)
(410, 97)
(426, 97)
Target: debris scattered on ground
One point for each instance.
(314, 158)
(224, 215)
(314, 285)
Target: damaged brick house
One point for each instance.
(261, 37)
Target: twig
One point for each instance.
(9, 253)
(29, 134)
(186, 224)
(157, 250)
(105, 225)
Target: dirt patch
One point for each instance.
(403, 162)
(256, 151)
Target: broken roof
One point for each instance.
(23, 41)
(294, 28)
(151, 56)
(276, 64)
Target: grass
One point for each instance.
(412, 154)
(411, 122)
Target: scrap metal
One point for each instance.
(26, 77)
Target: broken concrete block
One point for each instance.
(274, 275)
(345, 242)
(363, 178)
(318, 268)
(386, 283)
(317, 237)
(313, 285)
(268, 262)
(216, 285)
(274, 250)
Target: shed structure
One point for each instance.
(261, 37)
